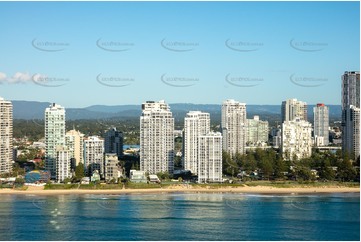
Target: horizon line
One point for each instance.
(112, 105)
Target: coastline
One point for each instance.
(181, 189)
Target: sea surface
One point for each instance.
(181, 216)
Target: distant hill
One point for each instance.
(29, 109)
(35, 110)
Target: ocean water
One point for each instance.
(181, 216)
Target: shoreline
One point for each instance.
(178, 189)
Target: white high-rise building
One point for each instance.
(156, 138)
(234, 126)
(63, 156)
(6, 136)
(74, 140)
(321, 124)
(210, 157)
(94, 154)
(54, 135)
(292, 108)
(351, 113)
(257, 131)
(296, 139)
(196, 123)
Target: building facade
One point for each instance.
(111, 167)
(196, 123)
(292, 108)
(296, 139)
(6, 136)
(137, 176)
(74, 140)
(233, 126)
(94, 155)
(54, 135)
(156, 138)
(63, 156)
(210, 157)
(257, 131)
(351, 132)
(113, 142)
(350, 113)
(321, 124)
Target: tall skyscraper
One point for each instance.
(94, 155)
(6, 136)
(257, 131)
(234, 126)
(113, 142)
(321, 124)
(196, 123)
(156, 138)
(296, 139)
(74, 140)
(351, 113)
(54, 135)
(210, 157)
(62, 163)
(292, 108)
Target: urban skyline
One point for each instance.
(180, 120)
(202, 147)
(156, 53)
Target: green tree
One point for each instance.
(163, 175)
(280, 167)
(326, 171)
(79, 171)
(304, 173)
(238, 158)
(40, 165)
(230, 167)
(19, 181)
(17, 170)
(345, 170)
(250, 163)
(266, 167)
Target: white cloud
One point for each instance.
(2, 77)
(18, 77)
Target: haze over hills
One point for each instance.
(35, 110)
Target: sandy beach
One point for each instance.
(189, 189)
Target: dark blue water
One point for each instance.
(179, 216)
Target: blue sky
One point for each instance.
(84, 53)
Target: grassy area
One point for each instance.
(60, 186)
(21, 188)
(16, 187)
(142, 185)
(288, 184)
(101, 186)
(278, 184)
